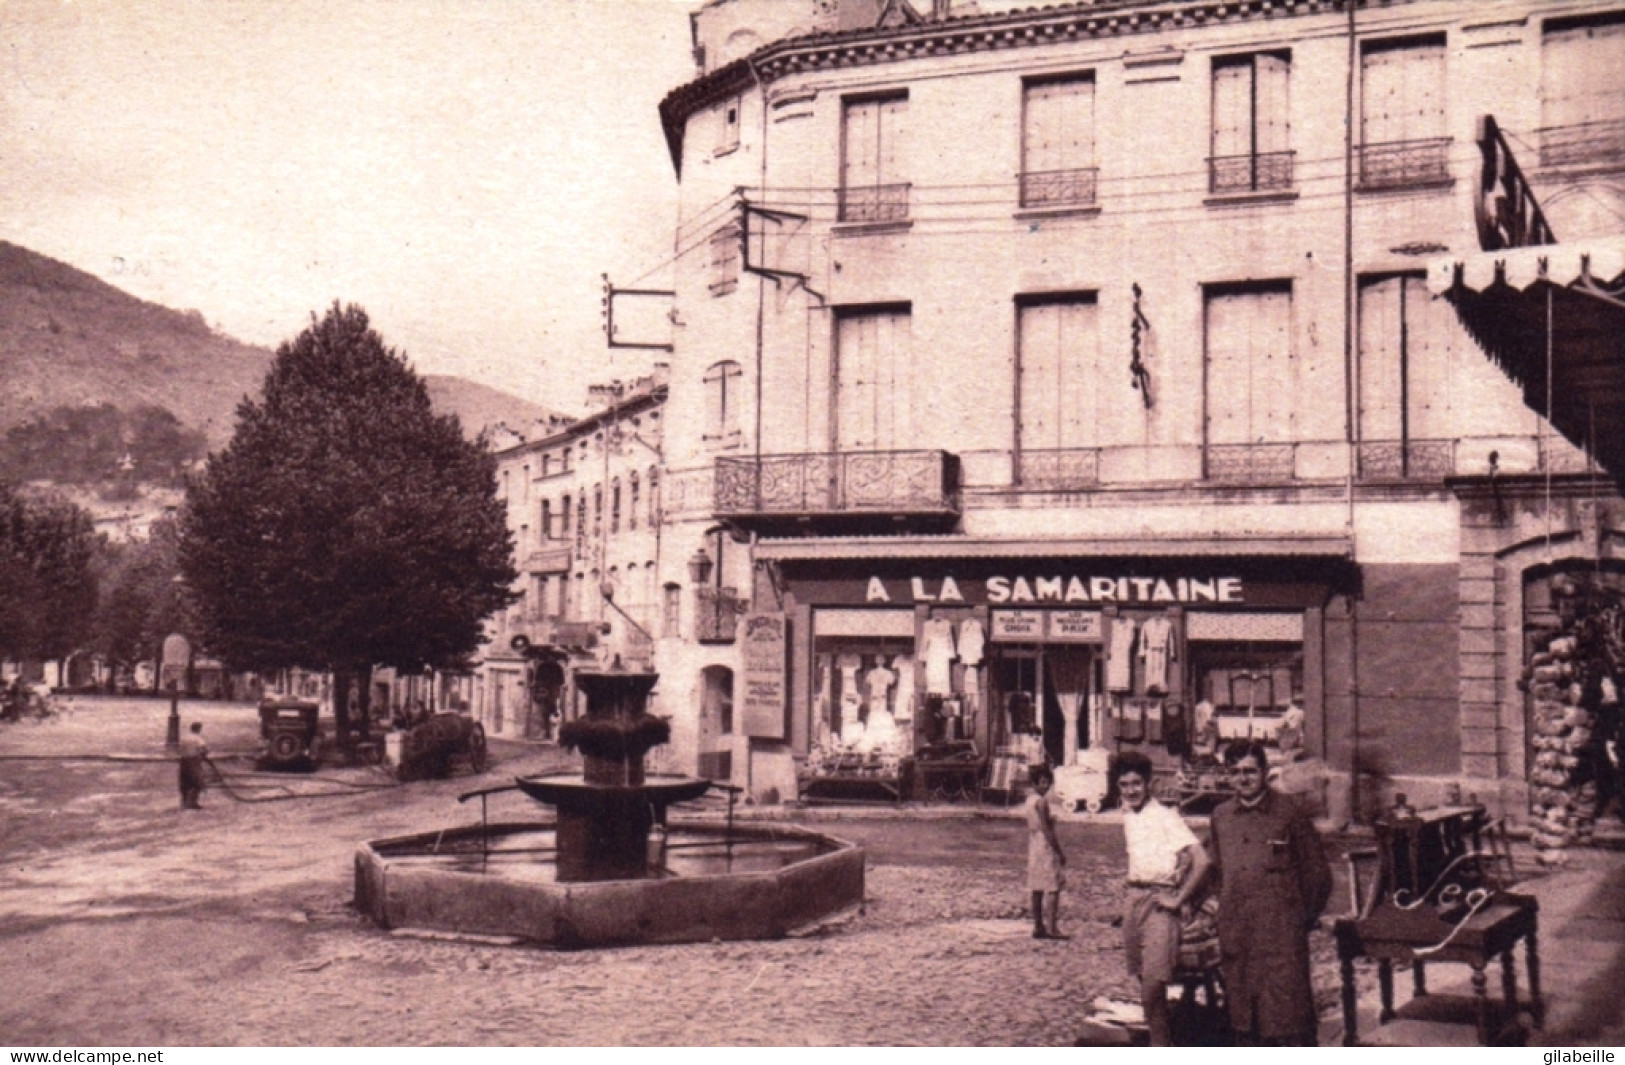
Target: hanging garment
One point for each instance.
(1174, 735)
(1131, 728)
(1120, 662)
(1156, 649)
(903, 704)
(1153, 722)
(851, 698)
(971, 642)
(938, 652)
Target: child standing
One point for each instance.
(1045, 859)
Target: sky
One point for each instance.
(462, 169)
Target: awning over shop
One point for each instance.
(1329, 547)
(1553, 318)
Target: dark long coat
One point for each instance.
(1274, 882)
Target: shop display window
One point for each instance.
(1247, 687)
(864, 695)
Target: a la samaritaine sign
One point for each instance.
(1058, 589)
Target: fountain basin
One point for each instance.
(499, 879)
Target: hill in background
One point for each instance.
(69, 340)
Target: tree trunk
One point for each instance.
(364, 702)
(342, 677)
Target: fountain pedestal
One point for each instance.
(604, 818)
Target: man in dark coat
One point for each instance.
(1274, 882)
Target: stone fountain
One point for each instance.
(606, 815)
(609, 870)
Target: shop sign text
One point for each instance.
(1026, 589)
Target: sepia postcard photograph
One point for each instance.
(974, 523)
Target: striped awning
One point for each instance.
(1553, 318)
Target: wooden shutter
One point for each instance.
(1402, 92)
(1060, 124)
(860, 163)
(1232, 108)
(874, 382)
(1271, 110)
(1250, 371)
(1583, 73)
(1380, 360)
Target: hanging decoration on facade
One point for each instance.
(1136, 366)
(648, 309)
(1505, 208)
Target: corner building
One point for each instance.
(1057, 376)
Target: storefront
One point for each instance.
(1037, 659)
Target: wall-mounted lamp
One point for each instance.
(699, 568)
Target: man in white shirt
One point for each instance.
(1166, 867)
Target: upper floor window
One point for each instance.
(547, 519)
(564, 519)
(597, 509)
(723, 388)
(725, 254)
(1251, 134)
(547, 465)
(632, 503)
(1250, 374)
(1059, 378)
(615, 506)
(654, 496)
(1058, 142)
(671, 610)
(874, 186)
(728, 126)
(1402, 120)
(874, 380)
(1582, 91)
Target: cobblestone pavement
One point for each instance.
(130, 922)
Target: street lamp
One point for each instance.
(699, 568)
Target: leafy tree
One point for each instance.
(48, 586)
(346, 525)
(144, 599)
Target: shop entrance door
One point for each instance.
(1016, 677)
(1067, 671)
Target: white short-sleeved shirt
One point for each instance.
(1155, 835)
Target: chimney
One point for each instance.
(940, 9)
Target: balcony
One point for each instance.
(853, 492)
(874, 203)
(1059, 188)
(1235, 175)
(1404, 164)
(716, 614)
(1587, 144)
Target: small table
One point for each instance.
(1420, 936)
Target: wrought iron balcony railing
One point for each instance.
(1405, 460)
(1059, 188)
(1404, 164)
(1257, 172)
(716, 614)
(1250, 463)
(1584, 144)
(1061, 469)
(875, 203)
(851, 482)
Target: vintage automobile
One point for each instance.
(293, 737)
